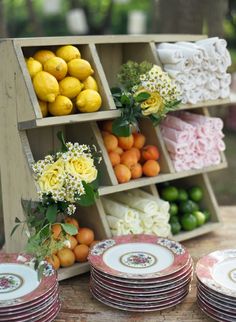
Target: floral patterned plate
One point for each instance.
(218, 271)
(140, 286)
(138, 256)
(127, 307)
(19, 283)
(216, 295)
(146, 282)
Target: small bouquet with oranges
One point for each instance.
(65, 179)
(145, 91)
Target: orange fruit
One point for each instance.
(107, 126)
(72, 240)
(139, 140)
(151, 168)
(54, 261)
(110, 142)
(56, 230)
(122, 173)
(104, 133)
(126, 142)
(66, 257)
(136, 171)
(85, 236)
(81, 253)
(150, 152)
(114, 158)
(118, 150)
(72, 221)
(137, 152)
(128, 158)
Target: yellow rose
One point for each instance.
(153, 104)
(82, 168)
(51, 179)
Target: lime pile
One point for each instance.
(186, 211)
(63, 82)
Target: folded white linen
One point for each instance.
(117, 209)
(225, 92)
(161, 230)
(145, 205)
(161, 216)
(184, 65)
(169, 56)
(225, 80)
(213, 84)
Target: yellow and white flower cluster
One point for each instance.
(60, 177)
(161, 88)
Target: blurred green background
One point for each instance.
(33, 18)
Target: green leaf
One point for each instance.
(51, 213)
(141, 97)
(45, 232)
(69, 229)
(88, 198)
(115, 91)
(95, 183)
(119, 129)
(125, 100)
(17, 220)
(61, 138)
(14, 229)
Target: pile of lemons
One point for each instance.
(63, 82)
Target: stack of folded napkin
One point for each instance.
(199, 68)
(194, 141)
(137, 212)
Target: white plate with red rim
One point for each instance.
(145, 283)
(215, 304)
(217, 271)
(209, 313)
(115, 283)
(138, 256)
(226, 300)
(139, 308)
(19, 283)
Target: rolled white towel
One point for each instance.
(214, 95)
(117, 209)
(162, 230)
(187, 44)
(114, 222)
(220, 46)
(225, 80)
(136, 230)
(184, 65)
(145, 205)
(161, 217)
(225, 92)
(193, 96)
(170, 56)
(213, 83)
(199, 77)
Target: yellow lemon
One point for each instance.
(33, 66)
(90, 83)
(43, 55)
(61, 106)
(46, 86)
(56, 66)
(80, 68)
(88, 101)
(68, 52)
(70, 86)
(43, 108)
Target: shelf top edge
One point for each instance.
(104, 39)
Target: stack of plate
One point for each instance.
(22, 296)
(140, 272)
(216, 285)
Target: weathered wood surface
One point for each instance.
(78, 305)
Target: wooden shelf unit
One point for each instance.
(26, 136)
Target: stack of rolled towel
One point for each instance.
(199, 69)
(194, 141)
(137, 212)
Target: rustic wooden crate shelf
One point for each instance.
(26, 136)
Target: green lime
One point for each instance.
(200, 218)
(188, 222)
(175, 228)
(174, 219)
(195, 193)
(169, 193)
(183, 196)
(187, 207)
(207, 215)
(173, 209)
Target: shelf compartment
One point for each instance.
(89, 53)
(208, 202)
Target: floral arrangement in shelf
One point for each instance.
(144, 91)
(65, 179)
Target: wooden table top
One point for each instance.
(78, 305)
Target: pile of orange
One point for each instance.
(129, 156)
(78, 246)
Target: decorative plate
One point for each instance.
(218, 271)
(210, 314)
(146, 282)
(216, 295)
(19, 282)
(216, 304)
(138, 256)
